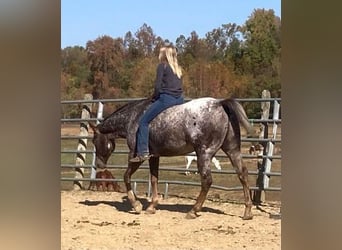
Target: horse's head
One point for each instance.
(104, 146)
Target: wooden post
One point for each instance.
(82, 143)
(259, 195)
(99, 116)
(270, 145)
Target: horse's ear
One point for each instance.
(93, 127)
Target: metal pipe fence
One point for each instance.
(90, 152)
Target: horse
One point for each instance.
(203, 125)
(256, 149)
(111, 186)
(191, 158)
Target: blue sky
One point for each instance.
(84, 20)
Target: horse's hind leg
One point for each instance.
(206, 181)
(234, 154)
(154, 170)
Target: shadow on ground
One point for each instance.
(125, 206)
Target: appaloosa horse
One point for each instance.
(203, 125)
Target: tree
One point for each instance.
(142, 78)
(262, 51)
(217, 41)
(131, 47)
(145, 40)
(74, 63)
(74, 77)
(231, 60)
(262, 41)
(105, 55)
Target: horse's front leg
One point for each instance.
(206, 181)
(154, 170)
(132, 167)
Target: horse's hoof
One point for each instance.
(150, 210)
(247, 217)
(137, 207)
(191, 215)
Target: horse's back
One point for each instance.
(180, 127)
(200, 108)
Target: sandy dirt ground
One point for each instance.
(104, 220)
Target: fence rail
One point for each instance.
(266, 141)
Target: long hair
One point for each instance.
(169, 54)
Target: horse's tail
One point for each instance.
(237, 116)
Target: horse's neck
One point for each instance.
(122, 126)
(118, 125)
(124, 119)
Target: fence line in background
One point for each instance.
(264, 165)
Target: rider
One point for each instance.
(167, 92)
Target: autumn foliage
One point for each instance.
(231, 60)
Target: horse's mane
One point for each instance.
(128, 105)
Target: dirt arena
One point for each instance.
(104, 220)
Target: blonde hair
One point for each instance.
(169, 54)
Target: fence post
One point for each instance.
(99, 116)
(259, 195)
(82, 142)
(270, 145)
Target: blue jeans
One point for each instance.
(163, 102)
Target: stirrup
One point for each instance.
(140, 158)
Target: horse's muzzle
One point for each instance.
(99, 163)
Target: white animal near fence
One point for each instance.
(190, 158)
